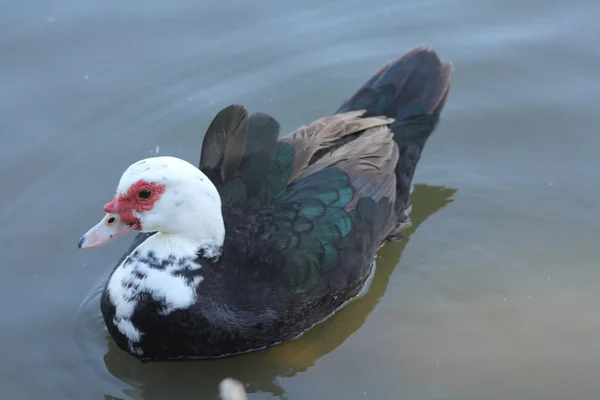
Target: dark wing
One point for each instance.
(310, 193)
(330, 186)
(224, 143)
(237, 153)
(338, 208)
(412, 89)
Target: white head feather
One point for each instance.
(190, 205)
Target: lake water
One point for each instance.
(496, 292)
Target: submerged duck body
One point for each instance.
(267, 236)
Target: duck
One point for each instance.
(266, 236)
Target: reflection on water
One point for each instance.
(259, 371)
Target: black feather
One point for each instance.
(263, 131)
(227, 129)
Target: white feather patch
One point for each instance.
(153, 269)
(231, 389)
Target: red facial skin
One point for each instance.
(131, 201)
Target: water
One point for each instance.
(495, 293)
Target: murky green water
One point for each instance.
(494, 296)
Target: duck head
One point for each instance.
(166, 195)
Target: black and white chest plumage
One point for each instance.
(154, 274)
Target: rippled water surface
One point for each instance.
(495, 294)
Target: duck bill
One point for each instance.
(109, 228)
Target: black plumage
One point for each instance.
(304, 214)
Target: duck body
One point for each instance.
(286, 229)
(247, 299)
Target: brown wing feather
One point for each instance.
(369, 161)
(325, 133)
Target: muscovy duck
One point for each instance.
(267, 236)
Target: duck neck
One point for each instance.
(208, 238)
(195, 231)
(189, 244)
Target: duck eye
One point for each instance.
(145, 194)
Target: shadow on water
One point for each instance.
(259, 371)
